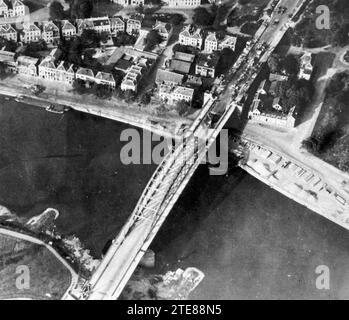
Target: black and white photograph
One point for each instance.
(191, 151)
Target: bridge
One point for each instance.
(178, 166)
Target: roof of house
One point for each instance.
(184, 56)
(191, 31)
(180, 66)
(194, 80)
(168, 76)
(211, 37)
(6, 28)
(117, 20)
(184, 91)
(106, 76)
(209, 61)
(7, 56)
(49, 26)
(48, 62)
(30, 26)
(66, 24)
(162, 27)
(85, 71)
(27, 61)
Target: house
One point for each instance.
(30, 33)
(99, 24)
(306, 67)
(117, 25)
(65, 72)
(50, 32)
(183, 3)
(168, 77)
(133, 26)
(212, 43)
(129, 2)
(68, 29)
(47, 69)
(191, 36)
(8, 32)
(206, 65)
(27, 66)
(164, 29)
(8, 59)
(12, 8)
(106, 79)
(181, 62)
(132, 77)
(85, 74)
(174, 94)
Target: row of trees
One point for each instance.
(283, 64)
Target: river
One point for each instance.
(250, 241)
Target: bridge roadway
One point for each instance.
(169, 180)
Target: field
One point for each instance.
(48, 278)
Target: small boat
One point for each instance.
(56, 108)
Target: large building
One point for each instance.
(212, 43)
(8, 32)
(206, 65)
(129, 2)
(133, 26)
(50, 32)
(191, 36)
(12, 8)
(30, 33)
(183, 3)
(164, 29)
(27, 66)
(117, 24)
(172, 94)
(100, 24)
(68, 29)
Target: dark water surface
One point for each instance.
(250, 241)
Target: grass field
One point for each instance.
(48, 278)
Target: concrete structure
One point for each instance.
(191, 36)
(27, 66)
(183, 3)
(7, 31)
(30, 33)
(12, 8)
(68, 29)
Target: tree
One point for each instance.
(81, 8)
(182, 107)
(203, 17)
(90, 38)
(152, 39)
(145, 98)
(290, 64)
(57, 11)
(102, 91)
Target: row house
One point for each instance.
(47, 69)
(65, 72)
(183, 3)
(85, 74)
(105, 78)
(164, 29)
(100, 24)
(117, 25)
(50, 32)
(133, 26)
(212, 43)
(131, 79)
(12, 8)
(172, 95)
(30, 33)
(27, 66)
(68, 29)
(7, 31)
(129, 2)
(191, 36)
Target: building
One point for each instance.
(212, 43)
(47, 69)
(105, 78)
(7, 58)
(27, 66)
(117, 25)
(50, 32)
(129, 2)
(65, 72)
(168, 78)
(164, 29)
(206, 65)
(183, 3)
(8, 32)
(12, 8)
(172, 94)
(191, 36)
(131, 79)
(68, 29)
(133, 26)
(181, 62)
(99, 24)
(85, 74)
(30, 33)
(306, 66)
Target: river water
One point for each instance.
(250, 241)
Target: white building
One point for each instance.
(8, 32)
(106, 79)
(99, 24)
(47, 69)
(30, 33)
(164, 29)
(27, 66)
(191, 36)
(131, 79)
(68, 29)
(50, 32)
(172, 94)
(85, 74)
(117, 25)
(126, 3)
(13, 8)
(65, 72)
(183, 3)
(212, 43)
(133, 26)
